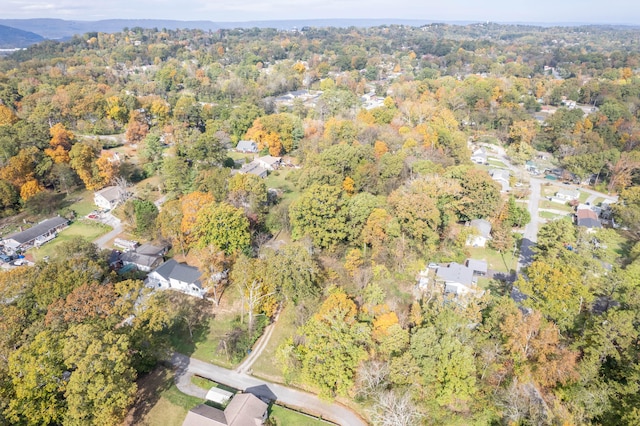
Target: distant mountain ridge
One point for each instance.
(60, 28)
(11, 37)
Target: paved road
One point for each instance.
(116, 224)
(293, 398)
(530, 235)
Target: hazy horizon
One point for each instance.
(501, 11)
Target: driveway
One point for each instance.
(303, 401)
(115, 223)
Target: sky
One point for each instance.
(533, 11)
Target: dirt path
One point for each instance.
(245, 366)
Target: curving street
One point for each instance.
(302, 401)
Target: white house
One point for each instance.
(268, 162)
(565, 195)
(502, 177)
(481, 233)
(172, 275)
(247, 146)
(107, 198)
(479, 156)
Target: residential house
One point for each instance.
(36, 235)
(457, 279)
(108, 198)
(247, 146)
(478, 267)
(145, 257)
(479, 156)
(565, 195)
(172, 275)
(268, 162)
(253, 168)
(588, 218)
(502, 177)
(481, 233)
(244, 409)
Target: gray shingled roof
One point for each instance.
(477, 265)
(250, 146)
(254, 169)
(139, 258)
(457, 273)
(110, 193)
(35, 231)
(245, 409)
(204, 415)
(178, 271)
(588, 218)
(151, 250)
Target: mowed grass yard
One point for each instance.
(494, 259)
(283, 416)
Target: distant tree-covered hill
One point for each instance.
(13, 37)
(61, 29)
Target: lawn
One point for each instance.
(266, 365)
(583, 196)
(285, 417)
(546, 204)
(278, 179)
(81, 202)
(207, 384)
(84, 228)
(159, 402)
(551, 216)
(496, 163)
(494, 259)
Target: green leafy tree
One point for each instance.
(38, 384)
(319, 213)
(145, 217)
(334, 344)
(223, 226)
(102, 383)
(560, 291)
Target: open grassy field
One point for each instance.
(83, 228)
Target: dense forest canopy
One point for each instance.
(375, 126)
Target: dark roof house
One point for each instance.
(478, 267)
(588, 219)
(176, 276)
(37, 234)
